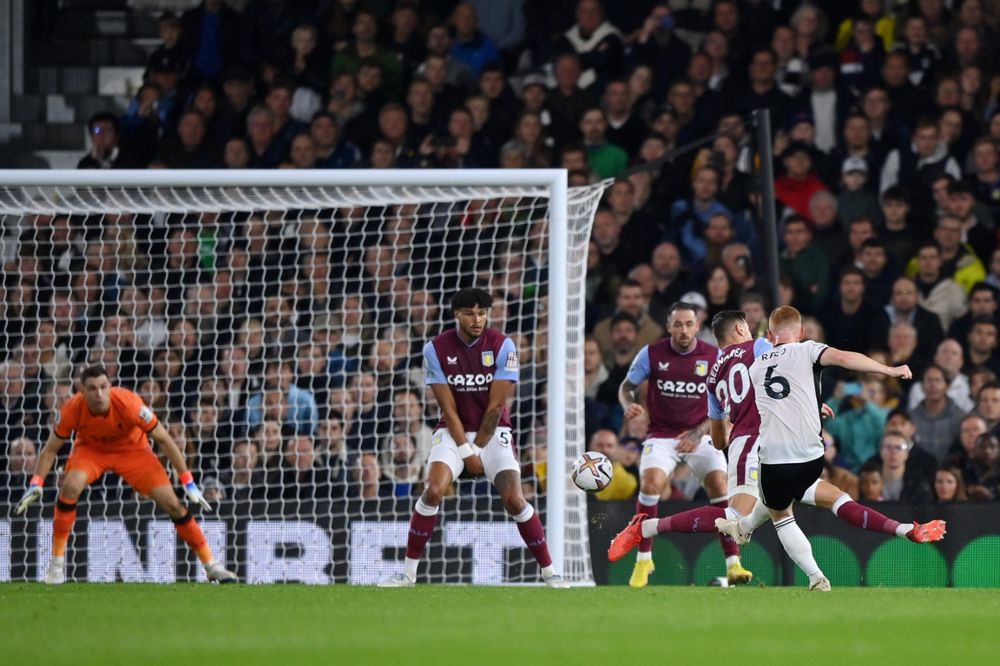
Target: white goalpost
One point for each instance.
(273, 319)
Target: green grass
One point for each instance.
(202, 624)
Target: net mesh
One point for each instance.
(278, 331)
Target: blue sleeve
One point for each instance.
(433, 374)
(508, 365)
(761, 346)
(639, 370)
(715, 410)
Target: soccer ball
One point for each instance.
(592, 471)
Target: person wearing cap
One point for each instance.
(856, 200)
(796, 187)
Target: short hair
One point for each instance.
(928, 244)
(926, 122)
(899, 412)
(471, 297)
(784, 317)
(994, 385)
(91, 372)
(752, 297)
(724, 321)
(983, 286)
(984, 319)
(683, 305)
(619, 317)
(872, 467)
(797, 219)
(629, 282)
(960, 187)
(851, 269)
(103, 117)
(896, 193)
(873, 242)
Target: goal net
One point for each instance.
(275, 322)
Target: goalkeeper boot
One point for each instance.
(737, 575)
(217, 573)
(398, 580)
(56, 575)
(557, 582)
(640, 573)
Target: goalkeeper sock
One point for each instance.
(533, 534)
(730, 548)
(421, 527)
(62, 525)
(649, 505)
(189, 530)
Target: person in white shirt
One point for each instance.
(791, 449)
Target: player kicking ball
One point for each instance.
(112, 428)
(676, 370)
(472, 370)
(791, 449)
(730, 394)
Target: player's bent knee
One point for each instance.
(432, 495)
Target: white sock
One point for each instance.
(410, 569)
(648, 500)
(425, 510)
(798, 548)
(841, 501)
(731, 560)
(903, 529)
(526, 513)
(757, 517)
(644, 556)
(548, 572)
(733, 514)
(649, 528)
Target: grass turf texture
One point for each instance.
(439, 625)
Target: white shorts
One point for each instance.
(744, 466)
(661, 453)
(497, 455)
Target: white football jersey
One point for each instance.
(784, 381)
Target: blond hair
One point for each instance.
(784, 318)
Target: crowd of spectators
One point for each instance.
(285, 348)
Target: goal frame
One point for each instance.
(555, 180)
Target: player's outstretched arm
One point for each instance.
(452, 421)
(43, 466)
(165, 441)
(861, 363)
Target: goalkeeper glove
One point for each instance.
(192, 491)
(31, 495)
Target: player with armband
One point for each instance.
(791, 449)
(111, 428)
(472, 371)
(676, 370)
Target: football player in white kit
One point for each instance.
(791, 448)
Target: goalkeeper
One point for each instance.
(113, 428)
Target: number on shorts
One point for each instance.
(504, 437)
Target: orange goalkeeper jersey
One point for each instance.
(125, 426)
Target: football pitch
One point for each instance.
(439, 625)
